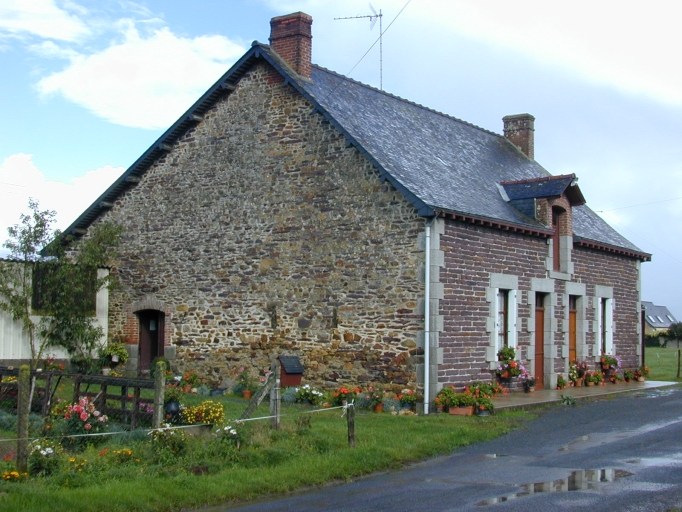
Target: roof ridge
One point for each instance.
(419, 105)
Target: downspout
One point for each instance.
(427, 313)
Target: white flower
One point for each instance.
(43, 453)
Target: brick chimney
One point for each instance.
(291, 37)
(519, 130)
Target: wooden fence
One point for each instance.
(119, 398)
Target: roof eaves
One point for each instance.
(497, 224)
(593, 244)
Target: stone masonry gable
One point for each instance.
(263, 234)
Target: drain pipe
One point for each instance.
(427, 313)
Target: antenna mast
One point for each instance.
(372, 21)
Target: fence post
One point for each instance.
(23, 409)
(350, 415)
(275, 399)
(159, 391)
(678, 360)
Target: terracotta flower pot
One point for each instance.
(246, 393)
(505, 375)
(379, 407)
(590, 383)
(462, 411)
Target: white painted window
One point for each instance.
(505, 318)
(605, 321)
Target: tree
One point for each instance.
(71, 281)
(56, 277)
(16, 274)
(674, 332)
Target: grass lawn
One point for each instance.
(663, 363)
(309, 450)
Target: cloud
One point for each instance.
(21, 179)
(630, 48)
(41, 18)
(144, 82)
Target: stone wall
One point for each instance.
(263, 234)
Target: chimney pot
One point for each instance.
(291, 37)
(519, 129)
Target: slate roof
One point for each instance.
(658, 317)
(438, 162)
(547, 186)
(446, 163)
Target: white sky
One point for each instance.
(90, 84)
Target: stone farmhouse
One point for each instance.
(292, 210)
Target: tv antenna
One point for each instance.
(372, 21)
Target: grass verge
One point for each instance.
(663, 363)
(301, 454)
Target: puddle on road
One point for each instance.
(581, 480)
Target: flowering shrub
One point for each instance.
(84, 418)
(243, 380)
(51, 365)
(207, 412)
(577, 370)
(124, 456)
(375, 395)
(231, 434)
(44, 457)
(407, 396)
(560, 381)
(189, 380)
(168, 441)
(344, 393)
(512, 368)
(13, 476)
(306, 392)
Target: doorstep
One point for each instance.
(520, 400)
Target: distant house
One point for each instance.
(294, 210)
(656, 318)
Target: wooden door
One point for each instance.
(572, 328)
(151, 337)
(539, 340)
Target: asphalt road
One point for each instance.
(622, 454)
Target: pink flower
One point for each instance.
(96, 413)
(84, 416)
(87, 426)
(67, 416)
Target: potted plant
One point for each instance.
(375, 396)
(508, 367)
(484, 406)
(462, 404)
(244, 383)
(628, 375)
(116, 353)
(642, 373)
(560, 382)
(343, 394)
(446, 396)
(408, 398)
(528, 383)
(576, 372)
(171, 400)
(608, 361)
